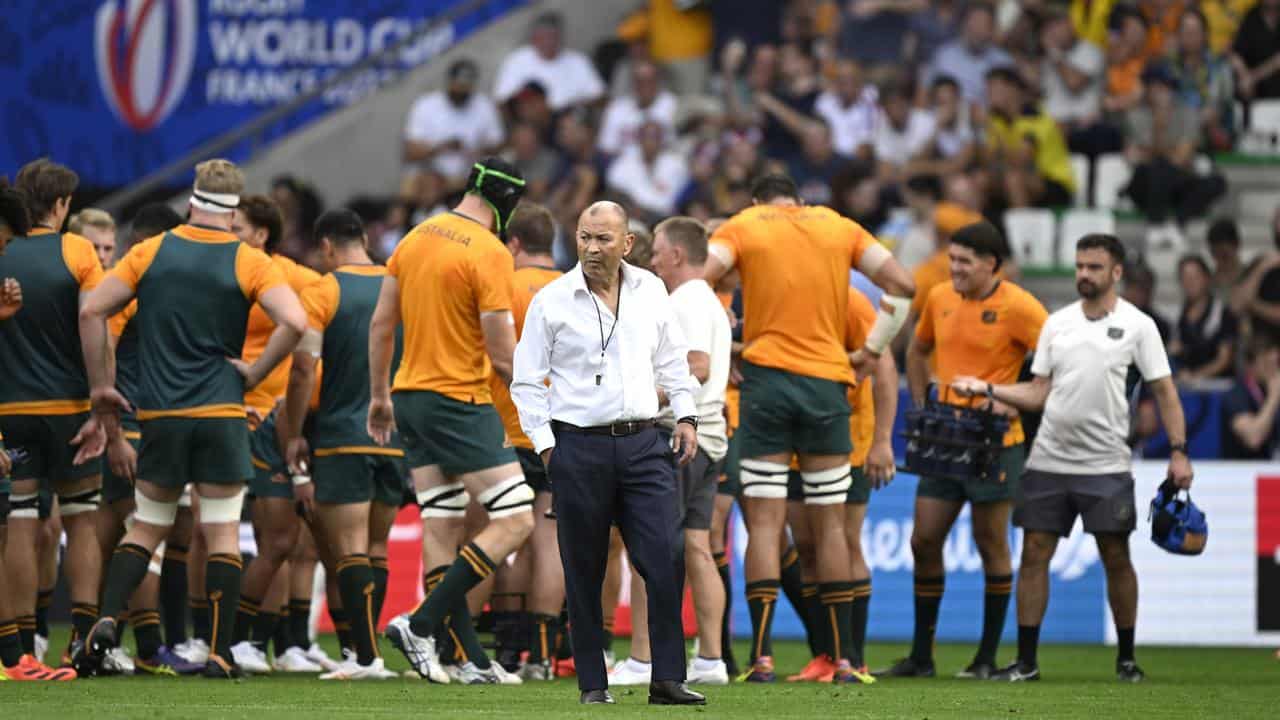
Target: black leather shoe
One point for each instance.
(670, 692)
(596, 697)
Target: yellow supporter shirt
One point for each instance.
(1052, 159)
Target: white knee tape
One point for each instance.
(762, 479)
(220, 510)
(154, 513)
(156, 558)
(827, 487)
(507, 498)
(79, 503)
(185, 500)
(444, 501)
(25, 506)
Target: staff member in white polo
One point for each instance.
(1080, 462)
(606, 336)
(679, 254)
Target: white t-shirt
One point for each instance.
(434, 120)
(1086, 417)
(570, 78)
(623, 118)
(706, 329)
(655, 188)
(896, 147)
(853, 126)
(1061, 103)
(951, 141)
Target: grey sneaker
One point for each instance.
(533, 672)
(419, 651)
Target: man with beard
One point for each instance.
(1080, 462)
(448, 130)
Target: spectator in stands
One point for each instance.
(932, 27)
(1126, 52)
(750, 22)
(1091, 20)
(537, 163)
(448, 130)
(1249, 413)
(1161, 138)
(875, 32)
(1258, 296)
(953, 146)
(649, 173)
(1027, 159)
(1224, 18)
(969, 57)
(1223, 239)
(1205, 342)
(1255, 54)
(1162, 23)
(1072, 79)
(647, 102)
(921, 193)
(817, 165)
(568, 76)
(1203, 81)
(678, 35)
(741, 93)
(789, 113)
(1140, 291)
(530, 107)
(851, 109)
(902, 134)
(580, 177)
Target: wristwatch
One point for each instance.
(689, 420)
(1178, 448)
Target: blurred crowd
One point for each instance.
(911, 117)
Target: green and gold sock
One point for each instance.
(146, 632)
(300, 623)
(471, 567)
(173, 593)
(837, 604)
(44, 599)
(381, 574)
(10, 643)
(995, 608)
(128, 567)
(246, 616)
(861, 604)
(928, 598)
(199, 618)
(355, 583)
(83, 616)
(222, 580)
(762, 597)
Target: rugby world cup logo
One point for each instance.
(145, 50)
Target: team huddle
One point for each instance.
(141, 403)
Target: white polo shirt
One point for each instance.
(706, 329)
(569, 78)
(1086, 417)
(476, 126)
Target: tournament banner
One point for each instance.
(117, 88)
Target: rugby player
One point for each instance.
(874, 403)
(449, 282)
(981, 326)
(195, 286)
(1080, 462)
(679, 258)
(98, 227)
(258, 223)
(529, 238)
(794, 262)
(44, 399)
(15, 664)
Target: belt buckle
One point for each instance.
(613, 429)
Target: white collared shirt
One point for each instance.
(706, 328)
(562, 341)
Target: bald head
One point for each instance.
(603, 240)
(597, 211)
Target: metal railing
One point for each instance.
(254, 129)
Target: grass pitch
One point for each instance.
(1078, 683)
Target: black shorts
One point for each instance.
(1050, 502)
(698, 481)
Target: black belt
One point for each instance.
(618, 429)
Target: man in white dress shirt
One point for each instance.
(1080, 461)
(595, 430)
(679, 256)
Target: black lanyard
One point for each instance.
(604, 342)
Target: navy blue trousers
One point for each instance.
(595, 480)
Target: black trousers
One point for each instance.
(1161, 189)
(595, 480)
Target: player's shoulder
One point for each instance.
(1020, 296)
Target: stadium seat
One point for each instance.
(1075, 225)
(1031, 235)
(1080, 168)
(1111, 175)
(1264, 116)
